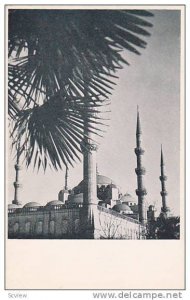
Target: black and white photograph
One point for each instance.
(95, 127)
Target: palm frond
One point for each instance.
(54, 131)
(65, 49)
(13, 107)
(62, 69)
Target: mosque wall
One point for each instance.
(62, 223)
(113, 225)
(71, 223)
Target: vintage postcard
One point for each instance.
(95, 142)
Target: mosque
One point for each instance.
(94, 209)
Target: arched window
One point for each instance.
(65, 226)
(77, 224)
(27, 227)
(52, 227)
(16, 227)
(39, 227)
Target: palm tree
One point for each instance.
(62, 66)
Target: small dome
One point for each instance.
(54, 202)
(101, 180)
(104, 180)
(32, 204)
(13, 206)
(122, 208)
(128, 199)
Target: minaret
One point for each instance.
(163, 192)
(17, 184)
(90, 200)
(97, 172)
(140, 171)
(66, 179)
(89, 149)
(63, 194)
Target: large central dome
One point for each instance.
(101, 180)
(102, 183)
(105, 190)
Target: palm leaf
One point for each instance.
(62, 69)
(64, 46)
(54, 131)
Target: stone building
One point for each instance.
(94, 209)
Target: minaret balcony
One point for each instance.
(139, 151)
(17, 184)
(142, 192)
(88, 147)
(17, 203)
(140, 171)
(165, 209)
(18, 167)
(163, 178)
(163, 193)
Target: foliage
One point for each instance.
(164, 228)
(63, 58)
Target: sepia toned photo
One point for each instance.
(95, 132)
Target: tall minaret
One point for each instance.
(140, 171)
(163, 192)
(90, 200)
(17, 184)
(63, 194)
(66, 178)
(89, 149)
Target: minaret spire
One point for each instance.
(163, 179)
(66, 178)
(140, 171)
(17, 184)
(97, 172)
(138, 130)
(162, 158)
(64, 193)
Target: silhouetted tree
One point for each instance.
(62, 66)
(164, 228)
